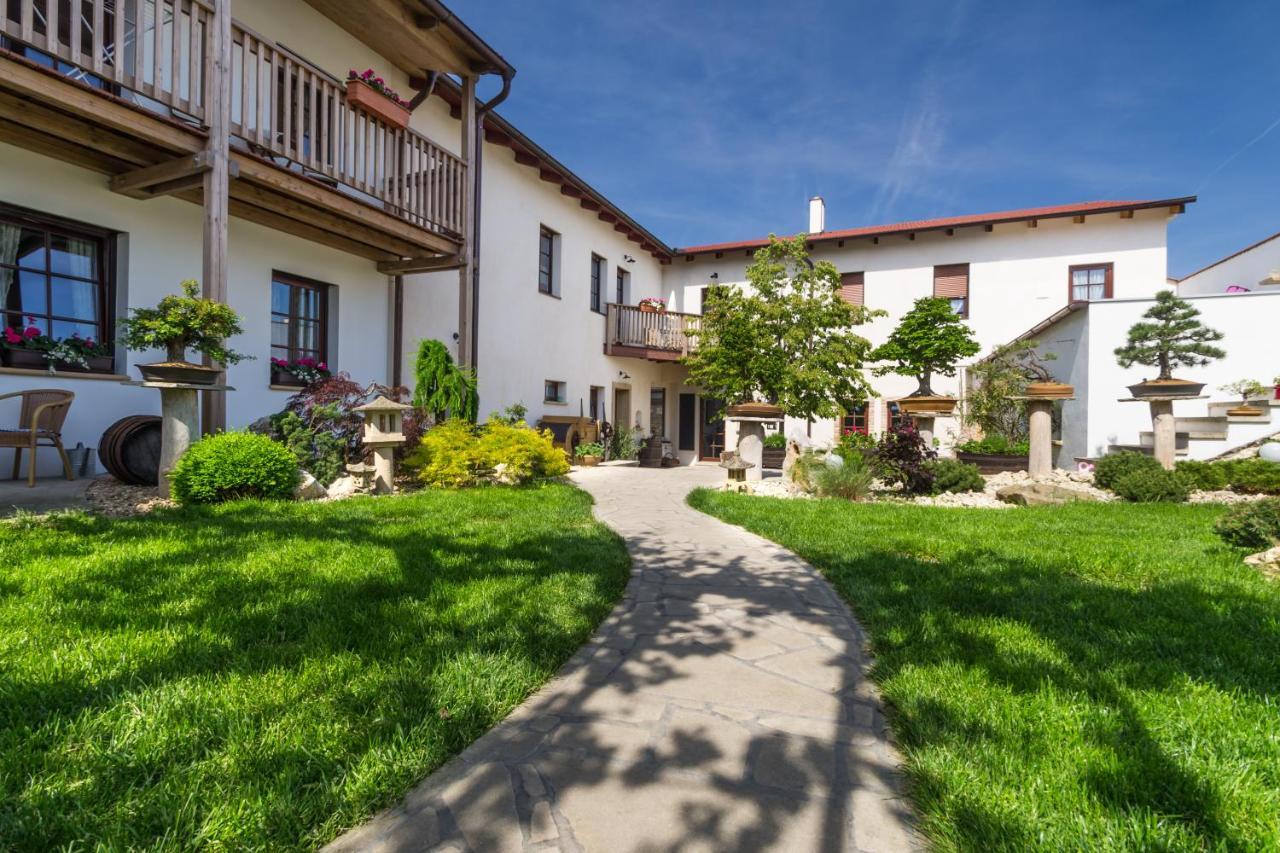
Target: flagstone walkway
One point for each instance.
(722, 706)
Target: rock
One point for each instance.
(789, 462)
(309, 489)
(343, 487)
(751, 449)
(1041, 494)
(503, 475)
(1270, 557)
(262, 426)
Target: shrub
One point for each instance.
(808, 465)
(317, 452)
(1202, 476)
(856, 442)
(900, 458)
(776, 440)
(995, 445)
(951, 475)
(1151, 486)
(456, 454)
(1113, 466)
(591, 448)
(622, 444)
(1254, 476)
(1253, 525)
(850, 480)
(234, 465)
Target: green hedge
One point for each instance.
(233, 465)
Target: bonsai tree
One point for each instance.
(1170, 336)
(788, 337)
(1246, 388)
(441, 388)
(931, 338)
(996, 379)
(181, 323)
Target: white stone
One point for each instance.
(343, 487)
(751, 449)
(309, 488)
(1270, 451)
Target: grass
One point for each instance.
(1093, 676)
(263, 676)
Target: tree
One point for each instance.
(996, 380)
(441, 388)
(788, 337)
(1172, 338)
(931, 338)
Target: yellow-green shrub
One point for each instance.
(457, 454)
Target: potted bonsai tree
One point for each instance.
(1246, 390)
(178, 324)
(930, 339)
(1169, 336)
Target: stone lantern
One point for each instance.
(383, 433)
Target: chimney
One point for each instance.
(817, 215)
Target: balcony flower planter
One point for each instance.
(280, 376)
(1166, 388)
(32, 360)
(652, 306)
(362, 96)
(926, 404)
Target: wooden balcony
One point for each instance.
(121, 87)
(656, 336)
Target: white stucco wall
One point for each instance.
(162, 238)
(1018, 276)
(1249, 269)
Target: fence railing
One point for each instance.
(156, 53)
(667, 331)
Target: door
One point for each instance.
(712, 430)
(687, 429)
(621, 408)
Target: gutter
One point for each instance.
(496, 64)
(481, 111)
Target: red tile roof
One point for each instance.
(1051, 212)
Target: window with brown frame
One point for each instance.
(951, 282)
(856, 420)
(598, 268)
(56, 276)
(299, 321)
(547, 260)
(1089, 281)
(853, 288)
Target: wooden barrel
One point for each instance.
(130, 450)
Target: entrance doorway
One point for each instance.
(621, 408)
(712, 439)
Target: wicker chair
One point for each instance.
(39, 425)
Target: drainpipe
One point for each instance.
(483, 110)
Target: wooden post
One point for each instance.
(1040, 458)
(217, 181)
(466, 302)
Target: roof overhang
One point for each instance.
(950, 224)
(417, 35)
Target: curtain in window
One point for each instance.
(9, 236)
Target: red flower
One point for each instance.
(323, 366)
(32, 332)
(11, 336)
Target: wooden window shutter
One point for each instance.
(852, 289)
(951, 281)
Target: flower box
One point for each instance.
(24, 359)
(362, 96)
(280, 376)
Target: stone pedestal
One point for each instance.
(179, 422)
(1164, 433)
(1040, 457)
(751, 447)
(924, 426)
(384, 468)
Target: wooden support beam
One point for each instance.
(621, 229)
(951, 232)
(23, 113)
(571, 191)
(606, 216)
(217, 182)
(413, 266)
(1126, 214)
(588, 204)
(1078, 220)
(59, 149)
(177, 175)
(1032, 223)
(688, 259)
(551, 176)
(466, 290)
(875, 241)
(1175, 209)
(839, 244)
(988, 228)
(524, 158)
(719, 255)
(911, 235)
(269, 218)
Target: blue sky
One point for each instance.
(712, 121)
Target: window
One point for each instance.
(951, 282)
(708, 293)
(623, 285)
(1090, 281)
(852, 289)
(547, 240)
(597, 403)
(658, 411)
(55, 276)
(855, 420)
(299, 316)
(895, 417)
(553, 391)
(597, 283)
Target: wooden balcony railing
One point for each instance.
(155, 53)
(647, 334)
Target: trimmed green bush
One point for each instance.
(851, 480)
(1254, 476)
(457, 454)
(1202, 476)
(1114, 466)
(952, 475)
(1255, 526)
(995, 445)
(775, 440)
(233, 465)
(1151, 486)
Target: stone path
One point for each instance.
(722, 706)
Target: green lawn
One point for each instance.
(1091, 676)
(262, 676)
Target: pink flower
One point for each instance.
(31, 332)
(11, 336)
(367, 75)
(323, 366)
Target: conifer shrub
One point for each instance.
(1110, 468)
(1145, 486)
(1255, 526)
(952, 475)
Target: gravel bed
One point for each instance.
(114, 499)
